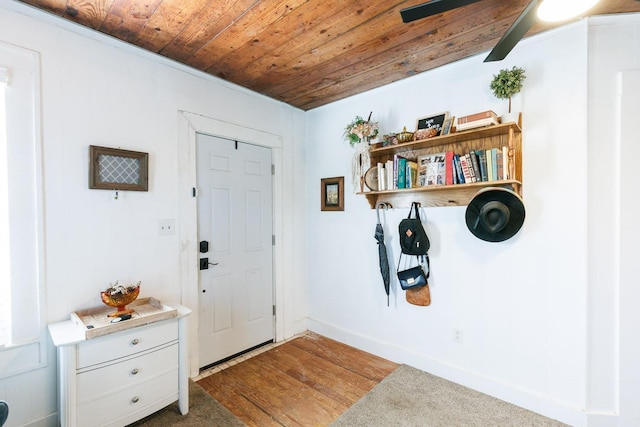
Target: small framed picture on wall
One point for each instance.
(332, 194)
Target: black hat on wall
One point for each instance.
(495, 214)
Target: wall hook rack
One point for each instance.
(385, 206)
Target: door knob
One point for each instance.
(204, 263)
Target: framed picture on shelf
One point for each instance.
(431, 169)
(435, 121)
(116, 169)
(448, 125)
(332, 194)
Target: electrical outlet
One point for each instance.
(166, 227)
(457, 335)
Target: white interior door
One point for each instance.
(235, 218)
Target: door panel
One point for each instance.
(220, 209)
(235, 216)
(253, 221)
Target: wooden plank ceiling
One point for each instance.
(304, 52)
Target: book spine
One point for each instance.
(448, 168)
(381, 177)
(465, 169)
(455, 172)
(470, 166)
(505, 163)
(409, 175)
(494, 163)
(402, 168)
(487, 154)
(395, 171)
(500, 164)
(456, 159)
(389, 170)
(476, 166)
(482, 162)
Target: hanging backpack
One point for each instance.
(413, 238)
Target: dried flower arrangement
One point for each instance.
(360, 129)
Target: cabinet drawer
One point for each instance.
(101, 411)
(125, 374)
(136, 340)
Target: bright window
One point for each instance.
(21, 216)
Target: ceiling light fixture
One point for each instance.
(561, 10)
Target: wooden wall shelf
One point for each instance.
(436, 195)
(498, 136)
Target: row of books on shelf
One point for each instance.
(446, 168)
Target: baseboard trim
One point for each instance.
(501, 390)
(48, 421)
(603, 420)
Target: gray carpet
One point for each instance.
(204, 410)
(410, 397)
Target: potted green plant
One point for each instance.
(506, 84)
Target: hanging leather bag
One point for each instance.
(412, 277)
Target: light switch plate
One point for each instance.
(166, 227)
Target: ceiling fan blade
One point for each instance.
(513, 35)
(431, 8)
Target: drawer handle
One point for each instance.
(135, 399)
(135, 341)
(134, 371)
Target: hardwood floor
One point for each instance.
(308, 381)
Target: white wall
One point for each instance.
(525, 305)
(614, 383)
(628, 234)
(96, 90)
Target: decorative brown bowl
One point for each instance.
(404, 136)
(120, 299)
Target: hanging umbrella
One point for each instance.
(382, 251)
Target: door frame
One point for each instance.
(189, 124)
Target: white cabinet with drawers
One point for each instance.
(116, 379)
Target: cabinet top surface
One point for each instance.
(69, 332)
(99, 321)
